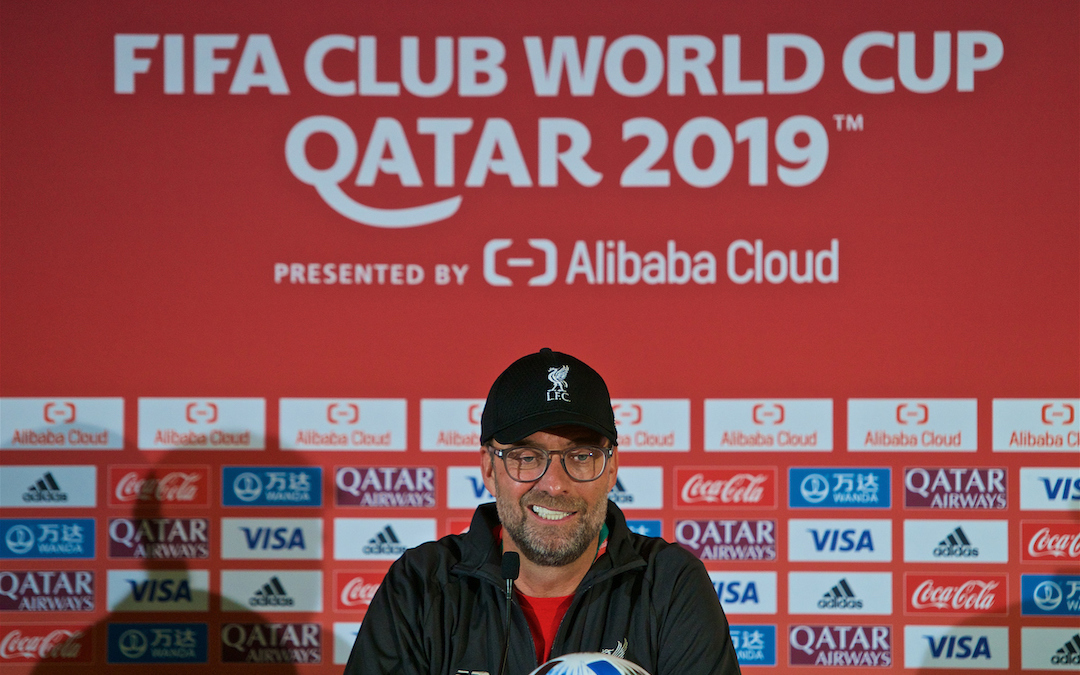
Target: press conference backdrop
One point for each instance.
(261, 263)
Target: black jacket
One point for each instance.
(441, 610)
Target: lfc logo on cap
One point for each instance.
(558, 384)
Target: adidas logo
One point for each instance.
(1069, 654)
(840, 596)
(46, 489)
(619, 495)
(385, 542)
(956, 545)
(272, 594)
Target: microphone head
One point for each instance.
(511, 565)
(589, 664)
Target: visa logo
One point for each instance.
(1061, 488)
(953, 647)
(273, 538)
(734, 595)
(842, 540)
(160, 590)
(478, 488)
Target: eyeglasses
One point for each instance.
(583, 464)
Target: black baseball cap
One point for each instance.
(543, 390)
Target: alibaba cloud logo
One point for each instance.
(545, 278)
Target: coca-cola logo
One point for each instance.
(58, 644)
(180, 485)
(746, 487)
(972, 595)
(358, 592)
(1052, 542)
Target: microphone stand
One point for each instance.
(511, 567)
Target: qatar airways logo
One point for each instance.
(982, 594)
(173, 485)
(356, 589)
(53, 644)
(746, 486)
(1050, 541)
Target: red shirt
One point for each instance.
(544, 616)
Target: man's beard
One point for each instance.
(554, 549)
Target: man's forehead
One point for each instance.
(569, 432)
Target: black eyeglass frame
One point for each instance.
(606, 453)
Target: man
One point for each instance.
(586, 583)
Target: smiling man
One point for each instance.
(582, 582)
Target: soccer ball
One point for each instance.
(589, 664)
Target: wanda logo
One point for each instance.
(1054, 541)
(726, 487)
(968, 596)
(358, 593)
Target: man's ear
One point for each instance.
(487, 469)
(613, 469)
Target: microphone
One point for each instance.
(511, 566)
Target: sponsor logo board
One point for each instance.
(271, 591)
(158, 590)
(1036, 425)
(1050, 594)
(46, 538)
(465, 488)
(840, 645)
(754, 645)
(202, 423)
(1047, 489)
(956, 647)
(61, 423)
(745, 592)
(385, 486)
(705, 487)
(840, 593)
(728, 540)
(639, 487)
(48, 486)
(1050, 541)
(187, 485)
(785, 425)
(839, 488)
(344, 636)
(646, 527)
(965, 488)
(379, 538)
(843, 540)
(353, 590)
(652, 425)
(46, 643)
(157, 643)
(956, 541)
(159, 538)
(918, 425)
(271, 538)
(1050, 648)
(450, 423)
(271, 643)
(47, 590)
(956, 594)
(271, 486)
(342, 424)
